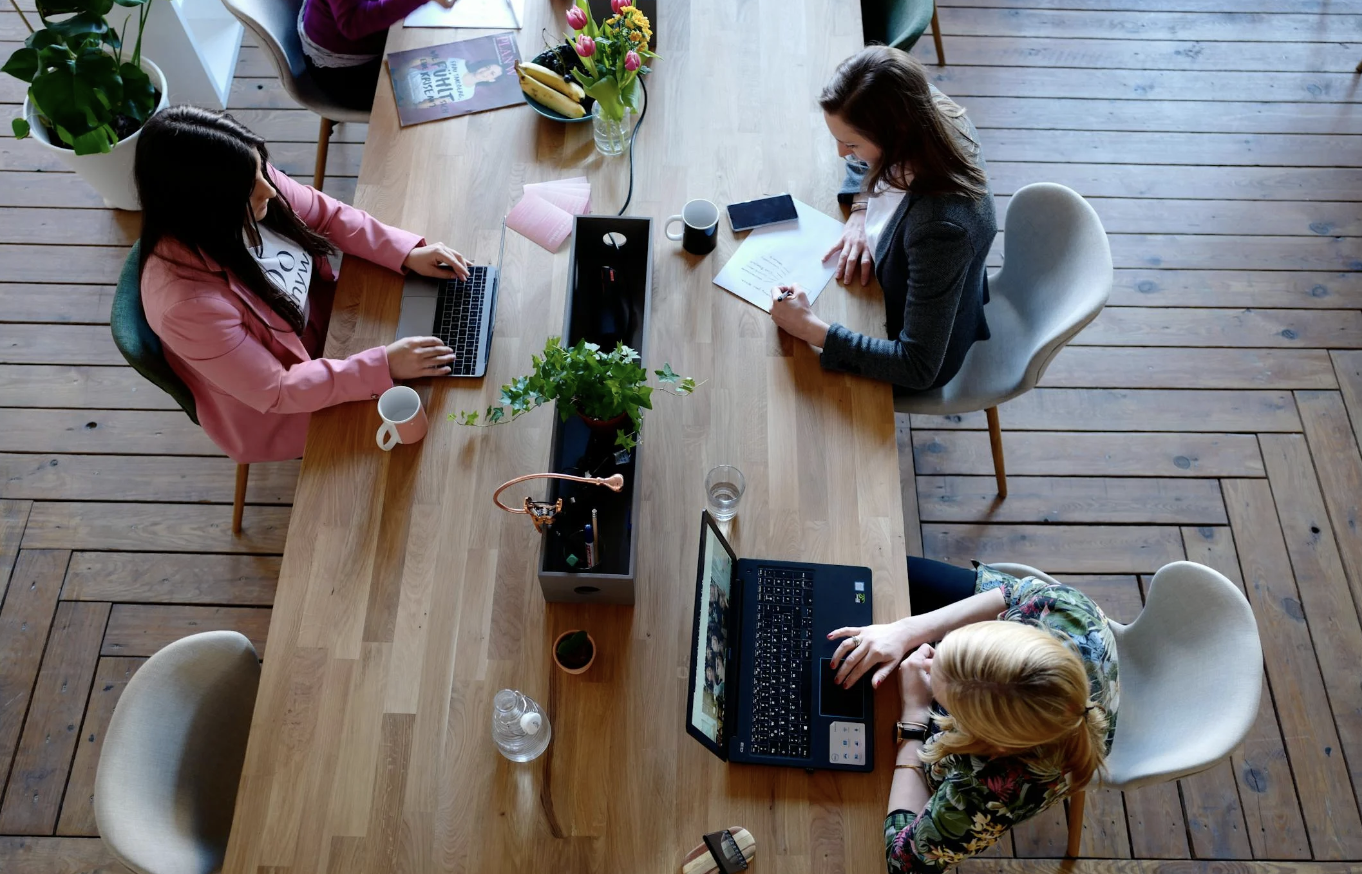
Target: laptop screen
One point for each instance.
(711, 645)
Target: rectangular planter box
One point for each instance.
(575, 448)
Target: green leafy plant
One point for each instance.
(79, 84)
(583, 379)
(575, 650)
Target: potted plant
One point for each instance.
(612, 55)
(574, 651)
(85, 102)
(605, 388)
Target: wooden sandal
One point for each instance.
(699, 860)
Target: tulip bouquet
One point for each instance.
(612, 54)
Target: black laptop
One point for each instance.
(461, 312)
(761, 686)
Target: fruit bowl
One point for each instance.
(550, 114)
(561, 59)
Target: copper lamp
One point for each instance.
(542, 513)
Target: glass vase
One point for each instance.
(612, 137)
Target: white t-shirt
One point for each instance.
(879, 210)
(286, 264)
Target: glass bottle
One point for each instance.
(520, 729)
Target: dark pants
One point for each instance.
(934, 584)
(352, 87)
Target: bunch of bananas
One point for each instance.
(553, 90)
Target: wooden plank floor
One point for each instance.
(1212, 412)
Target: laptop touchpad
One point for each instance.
(418, 309)
(833, 700)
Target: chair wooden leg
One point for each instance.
(323, 143)
(1075, 823)
(243, 471)
(936, 38)
(995, 440)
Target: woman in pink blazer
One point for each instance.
(236, 283)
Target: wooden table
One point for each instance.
(406, 600)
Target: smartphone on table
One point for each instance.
(764, 211)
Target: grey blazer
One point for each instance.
(930, 265)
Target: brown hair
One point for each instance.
(884, 94)
(1017, 690)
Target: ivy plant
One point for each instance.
(584, 380)
(83, 90)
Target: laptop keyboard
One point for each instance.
(458, 318)
(783, 696)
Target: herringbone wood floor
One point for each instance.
(1210, 413)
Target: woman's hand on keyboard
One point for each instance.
(873, 647)
(415, 357)
(438, 261)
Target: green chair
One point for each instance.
(900, 23)
(142, 348)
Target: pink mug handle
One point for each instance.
(387, 430)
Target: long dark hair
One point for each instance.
(195, 170)
(884, 94)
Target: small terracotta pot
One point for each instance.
(583, 668)
(605, 425)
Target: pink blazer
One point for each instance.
(254, 381)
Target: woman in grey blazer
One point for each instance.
(922, 218)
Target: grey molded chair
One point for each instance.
(1190, 669)
(275, 24)
(142, 349)
(901, 23)
(165, 787)
(1055, 279)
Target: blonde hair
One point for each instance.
(1017, 690)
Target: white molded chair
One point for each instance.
(165, 786)
(1055, 279)
(1190, 669)
(275, 24)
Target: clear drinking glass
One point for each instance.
(724, 486)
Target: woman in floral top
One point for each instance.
(1015, 707)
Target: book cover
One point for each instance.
(456, 78)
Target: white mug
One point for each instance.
(404, 420)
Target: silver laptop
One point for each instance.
(461, 312)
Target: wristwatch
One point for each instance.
(910, 731)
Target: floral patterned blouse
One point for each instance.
(975, 800)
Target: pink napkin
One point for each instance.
(573, 195)
(544, 214)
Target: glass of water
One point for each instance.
(724, 486)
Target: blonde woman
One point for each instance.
(1012, 711)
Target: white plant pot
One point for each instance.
(109, 173)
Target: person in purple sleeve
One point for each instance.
(343, 44)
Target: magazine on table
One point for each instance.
(456, 78)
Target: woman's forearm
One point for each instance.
(976, 608)
(909, 789)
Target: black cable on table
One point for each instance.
(633, 136)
